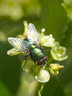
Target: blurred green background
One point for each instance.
(56, 17)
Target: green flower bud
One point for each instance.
(13, 51)
(54, 68)
(43, 76)
(58, 52)
(42, 30)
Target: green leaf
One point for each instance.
(9, 69)
(54, 18)
(4, 90)
(68, 89)
(53, 88)
(67, 4)
(66, 75)
(9, 27)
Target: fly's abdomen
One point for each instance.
(36, 53)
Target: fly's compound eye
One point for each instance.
(45, 58)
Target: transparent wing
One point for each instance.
(18, 44)
(33, 35)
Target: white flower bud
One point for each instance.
(47, 40)
(43, 76)
(43, 30)
(13, 51)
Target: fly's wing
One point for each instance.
(18, 44)
(33, 35)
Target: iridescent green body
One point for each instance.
(36, 53)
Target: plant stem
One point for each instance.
(40, 91)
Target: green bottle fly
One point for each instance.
(36, 53)
(30, 46)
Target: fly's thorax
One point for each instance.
(26, 43)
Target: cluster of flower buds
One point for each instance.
(54, 68)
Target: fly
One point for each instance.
(30, 46)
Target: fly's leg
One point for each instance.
(24, 63)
